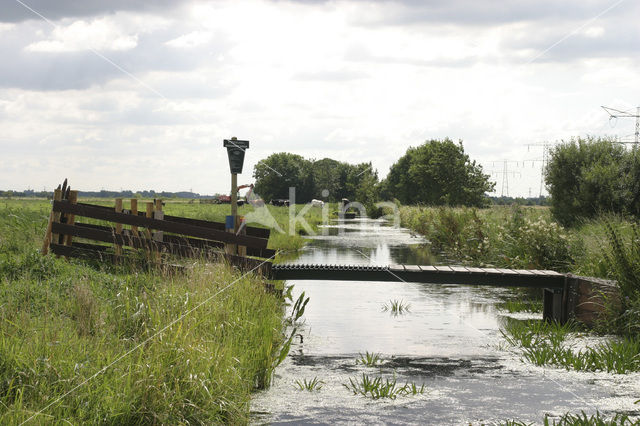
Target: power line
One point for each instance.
(545, 160)
(505, 172)
(616, 113)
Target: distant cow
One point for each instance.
(317, 203)
(279, 202)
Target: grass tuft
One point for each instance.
(309, 385)
(396, 307)
(513, 306)
(379, 388)
(369, 359)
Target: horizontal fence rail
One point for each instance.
(250, 230)
(174, 244)
(151, 231)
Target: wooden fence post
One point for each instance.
(242, 230)
(71, 219)
(134, 211)
(158, 235)
(118, 209)
(148, 231)
(53, 217)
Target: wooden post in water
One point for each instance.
(553, 308)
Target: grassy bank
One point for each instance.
(516, 237)
(529, 238)
(103, 344)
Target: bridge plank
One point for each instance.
(396, 268)
(459, 269)
(507, 271)
(475, 270)
(524, 272)
(537, 272)
(427, 268)
(552, 273)
(443, 268)
(412, 268)
(491, 271)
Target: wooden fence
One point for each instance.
(150, 231)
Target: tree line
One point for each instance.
(438, 172)
(326, 179)
(30, 193)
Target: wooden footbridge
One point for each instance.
(553, 284)
(422, 274)
(162, 235)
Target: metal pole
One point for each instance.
(637, 125)
(234, 196)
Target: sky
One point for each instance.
(140, 95)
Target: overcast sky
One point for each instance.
(140, 94)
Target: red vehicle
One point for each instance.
(226, 199)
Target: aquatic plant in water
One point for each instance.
(542, 344)
(396, 307)
(378, 388)
(370, 359)
(309, 385)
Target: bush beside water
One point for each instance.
(511, 237)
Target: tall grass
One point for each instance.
(67, 324)
(511, 237)
(622, 258)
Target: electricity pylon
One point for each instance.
(616, 113)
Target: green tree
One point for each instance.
(587, 176)
(276, 173)
(437, 172)
(326, 175)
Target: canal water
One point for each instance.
(449, 341)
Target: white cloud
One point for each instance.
(99, 34)
(192, 39)
(594, 32)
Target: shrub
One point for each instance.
(587, 176)
(536, 244)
